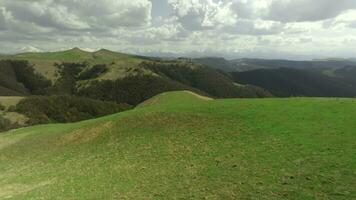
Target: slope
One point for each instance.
(181, 146)
(44, 63)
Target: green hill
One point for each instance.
(76, 71)
(44, 63)
(179, 145)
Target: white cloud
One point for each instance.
(228, 27)
(29, 48)
(307, 10)
(203, 14)
(81, 14)
(5, 16)
(344, 20)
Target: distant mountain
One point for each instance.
(327, 77)
(286, 82)
(247, 64)
(217, 63)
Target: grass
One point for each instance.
(181, 146)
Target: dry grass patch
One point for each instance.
(85, 135)
(199, 96)
(9, 101)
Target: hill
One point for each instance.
(286, 82)
(75, 72)
(285, 78)
(113, 80)
(326, 66)
(217, 63)
(181, 146)
(44, 63)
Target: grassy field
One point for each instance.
(182, 146)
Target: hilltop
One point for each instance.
(180, 145)
(44, 63)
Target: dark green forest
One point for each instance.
(65, 108)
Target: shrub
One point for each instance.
(69, 72)
(131, 90)
(25, 73)
(2, 107)
(65, 108)
(5, 124)
(93, 72)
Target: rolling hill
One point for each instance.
(180, 145)
(287, 82)
(76, 71)
(106, 78)
(101, 78)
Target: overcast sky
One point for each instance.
(293, 29)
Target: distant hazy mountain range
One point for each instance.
(321, 78)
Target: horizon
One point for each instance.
(176, 56)
(232, 29)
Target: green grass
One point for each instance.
(180, 146)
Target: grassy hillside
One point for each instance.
(182, 146)
(44, 63)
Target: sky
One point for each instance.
(285, 29)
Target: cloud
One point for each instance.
(250, 9)
(4, 17)
(44, 13)
(112, 13)
(223, 27)
(202, 14)
(29, 49)
(307, 10)
(81, 14)
(344, 20)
